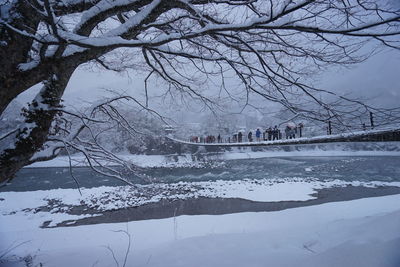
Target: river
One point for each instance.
(350, 168)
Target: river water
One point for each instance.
(371, 168)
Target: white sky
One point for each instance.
(375, 80)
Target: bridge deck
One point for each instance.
(386, 135)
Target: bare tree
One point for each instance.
(268, 46)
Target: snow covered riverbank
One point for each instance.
(189, 160)
(51, 207)
(361, 232)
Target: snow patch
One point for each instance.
(361, 232)
(59, 201)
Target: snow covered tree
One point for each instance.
(269, 46)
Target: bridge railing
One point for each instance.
(307, 132)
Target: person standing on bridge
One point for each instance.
(269, 132)
(287, 131)
(240, 136)
(250, 137)
(300, 126)
(219, 138)
(275, 133)
(258, 135)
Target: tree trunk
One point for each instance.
(34, 132)
(15, 49)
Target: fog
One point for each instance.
(374, 81)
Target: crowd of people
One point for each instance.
(270, 134)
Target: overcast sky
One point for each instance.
(376, 80)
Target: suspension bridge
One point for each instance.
(382, 135)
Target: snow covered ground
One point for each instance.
(364, 232)
(54, 206)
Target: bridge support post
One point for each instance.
(329, 128)
(371, 118)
